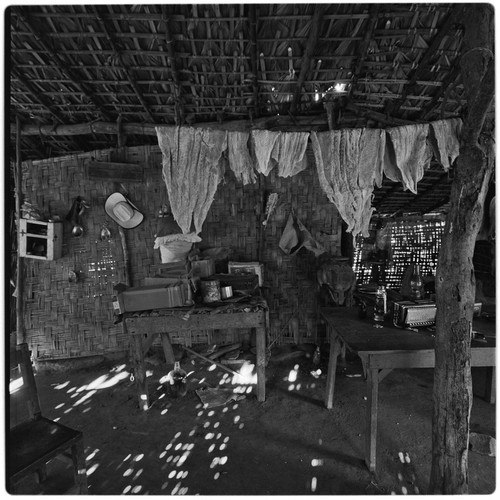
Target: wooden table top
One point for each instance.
(362, 335)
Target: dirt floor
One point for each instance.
(288, 445)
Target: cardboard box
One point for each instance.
(145, 298)
(163, 280)
(247, 268)
(203, 268)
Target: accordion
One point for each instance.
(415, 313)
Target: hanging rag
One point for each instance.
(240, 161)
(266, 146)
(412, 154)
(295, 236)
(292, 153)
(345, 173)
(446, 143)
(192, 170)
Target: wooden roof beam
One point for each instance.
(172, 62)
(252, 18)
(307, 58)
(443, 180)
(449, 80)
(131, 80)
(364, 45)
(375, 115)
(59, 62)
(416, 74)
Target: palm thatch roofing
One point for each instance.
(89, 77)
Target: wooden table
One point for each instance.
(144, 327)
(383, 349)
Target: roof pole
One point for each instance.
(20, 329)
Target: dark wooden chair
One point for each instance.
(34, 440)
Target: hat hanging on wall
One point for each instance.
(122, 211)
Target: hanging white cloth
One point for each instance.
(192, 170)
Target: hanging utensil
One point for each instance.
(105, 234)
(75, 216)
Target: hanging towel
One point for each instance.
(412, 153)
(266, 146)
(447, 140)
(292, 153)
(345, 175)
(240, 161)
(192, 169)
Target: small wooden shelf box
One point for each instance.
(40, 239)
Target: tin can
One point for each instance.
(226, 292)
(210, 290)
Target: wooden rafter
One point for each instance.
(364, 45)
(172, 62)
(124, 68)
(42, 100)
(60, 63)
(449, 80)
(35, 94)
(422, 68)
(307, 58)
(434, 188)
(252, 18)
(374, 115)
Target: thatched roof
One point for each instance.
(80, 73)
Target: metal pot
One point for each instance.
(77, 231)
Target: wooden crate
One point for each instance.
(40, 240)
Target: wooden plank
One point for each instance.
(480, 356)
(332, 368)
(372, 419)
(260, 340)
(159, 324)
(119, 172)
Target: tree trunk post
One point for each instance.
(455, 281)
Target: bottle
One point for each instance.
(316, 356)
(380, 304)
(416, 283)
(178, 383)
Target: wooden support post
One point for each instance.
(20, 327)
(455, 281)
(372, 381)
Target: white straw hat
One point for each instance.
(122, 211)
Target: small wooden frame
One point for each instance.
(40, 239)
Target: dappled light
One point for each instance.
(15, 385)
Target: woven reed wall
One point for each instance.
(406, 242)
(66, 319)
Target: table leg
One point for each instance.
(490, 384)
(140, 373)
(79, 465)
(372, 380)
(332, 368)
(260, 344)
(167, 349)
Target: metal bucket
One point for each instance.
(210, 290)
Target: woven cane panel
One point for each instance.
(67, 319)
